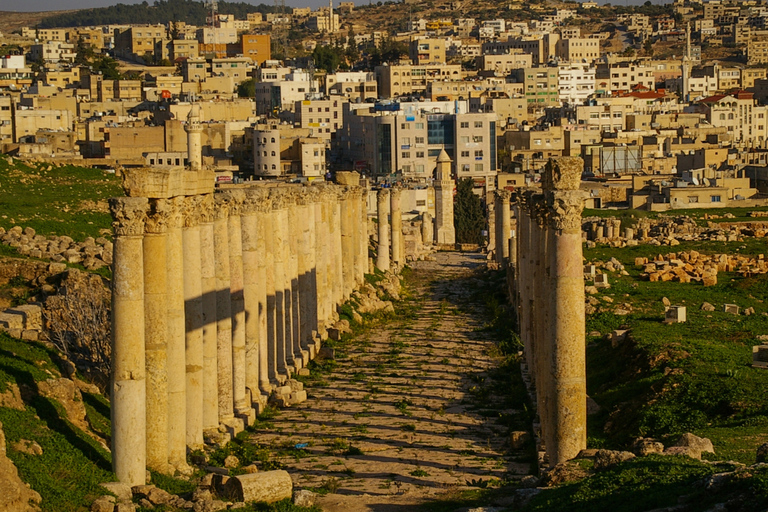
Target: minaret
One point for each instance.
(330, 17)
(686, 67)
(194, 138)
(445, 232)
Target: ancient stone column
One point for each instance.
(382, 212)
(242, 404)
(397, 228)
(128, 385)
(176, 343)
(567, 432)
(541, 310)
(427, 229)
(491, 226)
(296, 226)
(504, 226)
(156, 332)
(263, 207)
(305, 226)
(282, 293)
(193, 314)
(323, 258)
(223, 311)
(348, 242)
(252, 290)
(270, 283)
(336, 275)
(364, 237)
(210, 406)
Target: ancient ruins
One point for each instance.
(548, 295)
(218, 299)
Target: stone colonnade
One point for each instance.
(549, 295)
(218, 299)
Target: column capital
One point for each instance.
(563, 173)
(176, 212)
(302, 196)
(503, 194)
(158, 216)
(279, 197)
(395, 192)
(564, 209)
(256, 200)
(129, 215)
(221, 207)
(191, 210)
(207, 209)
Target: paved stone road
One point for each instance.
(414, 409)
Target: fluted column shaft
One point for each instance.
(176, 346)
(223, 311)
(382, 212)
(242, 405)
(128, 385)
(397, 227)
(210, 407)
(156, 333)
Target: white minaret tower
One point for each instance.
(686, 66)
(194, 138)
(331, 28)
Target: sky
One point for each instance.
(57, 5)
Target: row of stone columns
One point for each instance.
(390, 229)
(218, 299)
(503, 226)
(549, 295)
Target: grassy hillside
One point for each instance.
(65, 200)
(68, 473)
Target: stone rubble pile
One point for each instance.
(668, 230)
(92, 253)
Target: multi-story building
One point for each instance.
(739, 114)
(14, 72)
(540, 85)
(578, 49)
(142, 43)
(427, 51)
(275, 96)
(257, 47)
(405, 80)
(182, 49)
(409, 141)
(541, 48)
(27, 122)
(502, 65)
(623, 76)
(576, 82)
(352, 85)
(52, 52)
(321, 117)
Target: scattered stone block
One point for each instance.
(707, 307)
(607, 458)
(618, 336)
(731, 308)
(676, 315)
(518, 439)
(644, 447)
(304, 498)
(760, 356)
(589, 270)
(265, 486)
(601, 281)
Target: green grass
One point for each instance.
(68, 473)
(66, 200)
(652, 482)
(709, 387)
(629, 217)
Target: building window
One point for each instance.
(478, 167)
(715, 199)
(478, 124)
(465, 124)
(420, 168)
(419, 154)
(477, 138)
(465, 154)
(693, 199)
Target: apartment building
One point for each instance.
(576, 82)
(352, 85)
(406, 80)
(321, 117)
(540, 84)
(142, 43)
(739, 114)
(578, 49)
(408, 141)
(427, 51)
(257, 47)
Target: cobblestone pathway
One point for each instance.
(413, 409)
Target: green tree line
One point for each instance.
(161, 11)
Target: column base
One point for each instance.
(247, 415)
(233, 426)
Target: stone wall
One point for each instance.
(545, 265)
(218, 300)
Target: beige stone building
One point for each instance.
(739, 114)
(578, 49)
(142, 43)
(427, 51)
(405, 80)
(27, 122)
(321, 117)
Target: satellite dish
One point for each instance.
(695, 181)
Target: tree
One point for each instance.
(247, 89)
(327, 58)
(468, 215)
